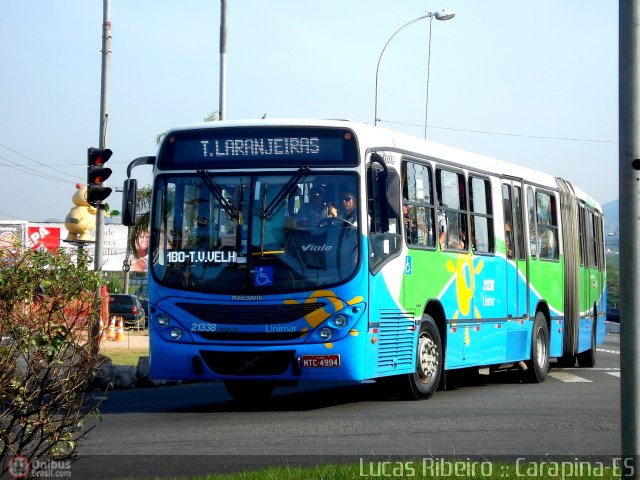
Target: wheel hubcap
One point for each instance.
(541, 349)
(427, 358)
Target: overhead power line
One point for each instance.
(506, 134)
(14, 164)
(31, 171)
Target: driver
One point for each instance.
(349, 208)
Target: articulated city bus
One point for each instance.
(291, 250)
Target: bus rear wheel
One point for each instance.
(423, 383)
(538, 366)
(248, 391)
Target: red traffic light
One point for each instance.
(98, 156)
(97, 173)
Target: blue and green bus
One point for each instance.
(285, 251)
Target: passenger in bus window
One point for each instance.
(508, 239)
(442, 229)
(411, 229)
(458, 241)
(311, 213)
(548, 248)
(533, 243)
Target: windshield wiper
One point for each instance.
(213, 187)
(287, 190)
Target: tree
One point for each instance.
(47, 303)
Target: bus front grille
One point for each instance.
(250, 314)
(252, 336)
(248, 363)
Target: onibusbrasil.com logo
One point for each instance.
(21, 467)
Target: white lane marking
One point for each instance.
(614, 374)
(615, 352)
(568, 377)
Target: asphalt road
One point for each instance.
(198, 428)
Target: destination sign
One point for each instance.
(261, 146)
(228, 147)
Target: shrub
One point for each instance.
(48, 354)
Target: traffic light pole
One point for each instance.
(104, 119)
(102, 141)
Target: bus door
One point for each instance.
(517, 272)
(592, 281)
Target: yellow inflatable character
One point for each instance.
(81, 219)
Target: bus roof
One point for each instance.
(379, 138)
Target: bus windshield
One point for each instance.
(255, 234)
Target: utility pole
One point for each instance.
(104, 119)
(102, 141)
(223, 60)
(629, 178)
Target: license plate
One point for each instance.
(311, 361)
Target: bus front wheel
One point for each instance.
(423, 383)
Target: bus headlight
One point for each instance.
(325, 333)
(163, 320)
(340, 320)
(175, 333)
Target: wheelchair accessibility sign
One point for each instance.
(407, 266)
(263, 277)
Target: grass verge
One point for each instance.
(419, 470)
(126, 356)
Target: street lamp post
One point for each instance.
(441, 15)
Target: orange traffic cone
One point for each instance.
(111, 331)
(120, 331)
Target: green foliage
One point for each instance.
(47, 354)
(115, 282)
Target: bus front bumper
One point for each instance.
(340, 361)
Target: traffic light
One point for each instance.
(97, 173)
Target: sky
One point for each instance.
(530, 82)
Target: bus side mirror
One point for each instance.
(129, 193)
(393, 193)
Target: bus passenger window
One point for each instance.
(481, 215)
(452, 212)
(418, 207)
(547, 226)
(533, 238)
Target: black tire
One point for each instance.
(249, 391)
(587, 359)
(424, 382)
(538, 366)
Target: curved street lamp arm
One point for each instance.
(430, 14)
